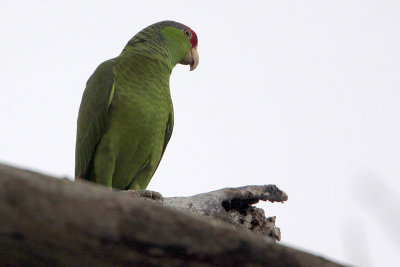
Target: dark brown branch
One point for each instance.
(47, 221)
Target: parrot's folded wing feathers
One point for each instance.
(168, 130)
(92, 116)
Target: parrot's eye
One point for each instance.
(187, 33)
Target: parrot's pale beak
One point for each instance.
(192, 58)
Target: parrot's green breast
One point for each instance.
(126, 116)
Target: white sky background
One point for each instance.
(301, 94)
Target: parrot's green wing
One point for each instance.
(168, 130)
(92, 116)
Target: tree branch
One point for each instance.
(47, 221)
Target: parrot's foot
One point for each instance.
(144, 193)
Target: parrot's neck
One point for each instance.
(135, 71)
(156, 53)
(144, 66)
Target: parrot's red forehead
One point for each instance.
(193, 40)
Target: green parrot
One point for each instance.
(126, 116)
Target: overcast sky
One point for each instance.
(301, 94)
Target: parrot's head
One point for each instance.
(174, 41)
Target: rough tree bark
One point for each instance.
(46, 221)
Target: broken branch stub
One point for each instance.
(234, 205)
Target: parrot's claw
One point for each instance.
(145, 193)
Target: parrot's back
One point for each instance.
(125, 122)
